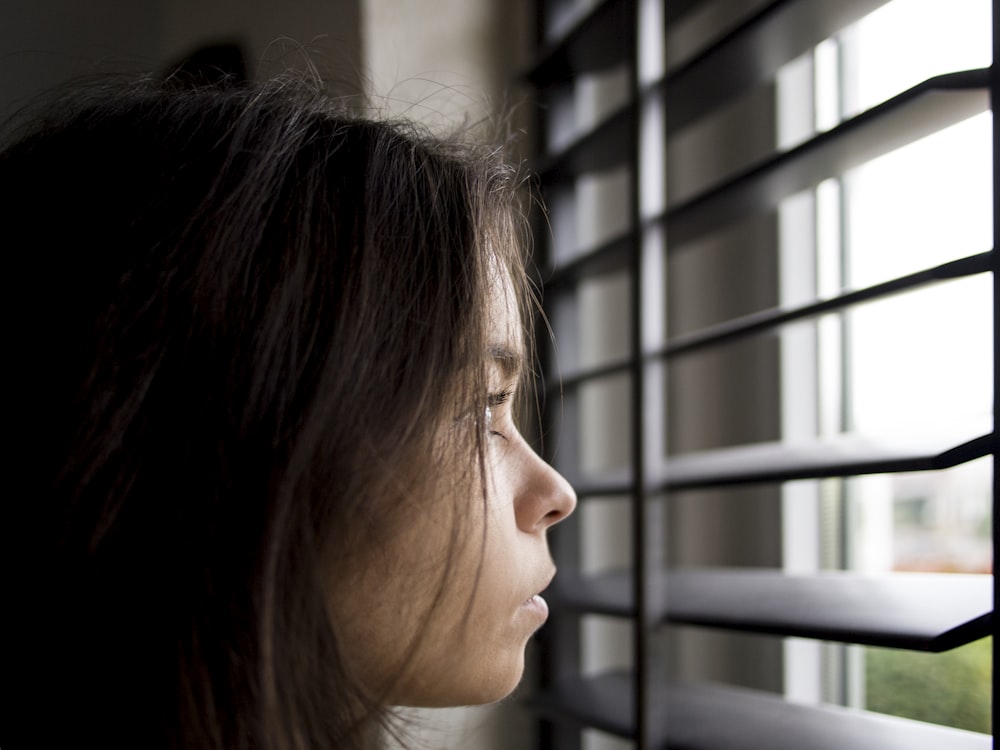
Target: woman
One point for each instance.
(265, 356)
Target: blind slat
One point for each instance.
(709, 717)
(849, 455)
(915, 611)
(602, 147)
(770, 319)
(920, 111)
(841, 456)
(752, 53)
(932, 612)
(610, 256)
(595, 42)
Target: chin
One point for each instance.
(486, 681)
(497, 690)
(497, 680)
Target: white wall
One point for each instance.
(447, 62)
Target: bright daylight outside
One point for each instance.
(917, 364)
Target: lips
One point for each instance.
(536, 603)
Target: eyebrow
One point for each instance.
(509, 360)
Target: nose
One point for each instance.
(544, 496)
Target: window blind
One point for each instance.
(622, 86)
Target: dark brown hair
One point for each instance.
(232, 316)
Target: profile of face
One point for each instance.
(463, 642)
(267, 420)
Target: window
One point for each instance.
(925, 204)
(770, 412)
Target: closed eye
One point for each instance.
(494, 400)
(497, 399)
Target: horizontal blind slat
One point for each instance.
(840, 456)
(708, 717)
(847, 455)
(602, 147)
(917, 112)
(915, 611)
(766, 320)
(610, 256)
(752, 53)
(773, 318)
(595, 42)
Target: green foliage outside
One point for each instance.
(951, 688)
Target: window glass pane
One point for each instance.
(922, 362)
(943, 688)
(907, 41)
(933, 521)
(919, 363)
(921, 205)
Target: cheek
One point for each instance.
(431, 618)
(380, 599)
(474, 649)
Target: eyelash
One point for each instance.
(492, 401)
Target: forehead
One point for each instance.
(506, 341)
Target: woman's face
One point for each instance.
(462, 642)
